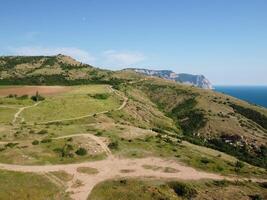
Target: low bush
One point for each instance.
(183, 189)
(46, 140)
(42, 132)
(113, 145)
(100, 96)
(37, 97)
(11, 144)
(35, 142)
(81, 151)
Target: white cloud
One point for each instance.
(123, 58)
(76, 53)
(107, 59)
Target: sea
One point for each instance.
(252, 94)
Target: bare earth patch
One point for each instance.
(31, 90)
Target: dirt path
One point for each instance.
(124, 103)
(112, 168)
(16, 116)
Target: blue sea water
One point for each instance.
(252, 94)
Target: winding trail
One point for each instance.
(16, 116)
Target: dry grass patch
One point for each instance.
(62, 175)
(87, 170)
(31, 90)
(125, 171)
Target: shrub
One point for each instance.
(100, 96)
(81, 151)
(113, 145)
(222, 183)
(205, 160)
(37, 97)
(42, 132)
(184, 190)
(65, 151)
(46, 140)
(11, 145)
(35, 142)
(25, 96)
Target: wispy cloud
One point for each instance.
(123, 59)
(109, 59)
(76, 53)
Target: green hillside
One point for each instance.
(55, 111)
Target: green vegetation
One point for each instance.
(124, 189)
(157, 119)
(35, 142)
(81, 151)
(37, 97)
(16, 185)
(184, 190)
(48, 151)
(188, 117)
(258, 157)
(254, 115)
(61, 106)
(100, 96)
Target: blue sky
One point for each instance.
(226, 40)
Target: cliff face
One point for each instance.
(190, 79)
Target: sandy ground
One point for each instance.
(31, 90)
(112, 168)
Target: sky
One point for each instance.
(225, 40)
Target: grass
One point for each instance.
(124, 189)
(16, 185)
(195, 156)
(72, 104)
(7, 115)
(50, 152)
(62, 175)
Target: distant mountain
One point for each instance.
(190, 79)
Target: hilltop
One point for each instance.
(48, 70)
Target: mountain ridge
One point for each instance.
(184, 78)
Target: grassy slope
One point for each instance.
(26, 153)
(61, 106)
(15, 185)
(206, 117)
(157, 190)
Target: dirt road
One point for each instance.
(112, 168)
